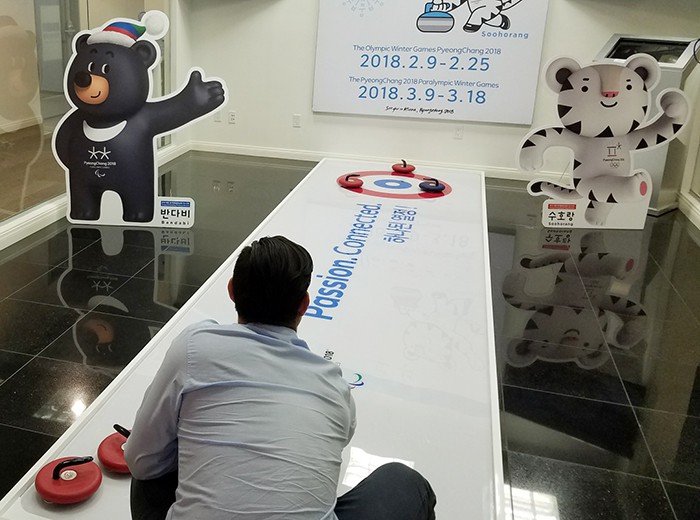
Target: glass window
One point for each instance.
(35, 46)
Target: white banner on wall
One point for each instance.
(471, 60)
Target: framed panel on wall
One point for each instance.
(472, 60)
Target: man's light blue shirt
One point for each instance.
(253, 421)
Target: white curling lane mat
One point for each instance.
(400, 299)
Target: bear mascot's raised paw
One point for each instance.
(107, 141)
(603, 111)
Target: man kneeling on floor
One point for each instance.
(243, 420)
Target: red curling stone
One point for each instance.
(111, 453)
(351, 180)
(77, 479)
(403, 168)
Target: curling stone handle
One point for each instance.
(120, 429)
(434, 181)
(351, 175)
(77, 461)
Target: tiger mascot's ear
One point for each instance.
(559, 70)
(647, 68)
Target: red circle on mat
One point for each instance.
(403, 196)
(86, 481)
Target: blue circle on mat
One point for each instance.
(392, 184)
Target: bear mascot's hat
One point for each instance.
(154, 24)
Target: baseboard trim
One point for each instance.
(32, 220)
(310, 155)
(20, 124)
(168, 153)
(690, 206)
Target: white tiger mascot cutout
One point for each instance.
(603, 108)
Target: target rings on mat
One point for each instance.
(390, 185)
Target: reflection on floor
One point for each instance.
(78, 303)
(597, 336)
(597, 341)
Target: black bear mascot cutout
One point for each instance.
(107, 141)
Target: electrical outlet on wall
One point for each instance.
(459, 132)
(296, 120)
(217, 116)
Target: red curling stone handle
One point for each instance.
(77, 461)
(123, 431)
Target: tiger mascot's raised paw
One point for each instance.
(674, 105)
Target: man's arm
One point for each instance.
(151, 450)
(353, 419)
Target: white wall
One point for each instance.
(265, 51)
(100, 11)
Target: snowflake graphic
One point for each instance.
(361, 7)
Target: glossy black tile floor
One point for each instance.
(596, 335)
(598, 342)
(78, 303)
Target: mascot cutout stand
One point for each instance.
(603, 111)
(107, 142)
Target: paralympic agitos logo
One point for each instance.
(355, 381)
(358, 381)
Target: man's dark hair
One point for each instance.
(270, 279)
